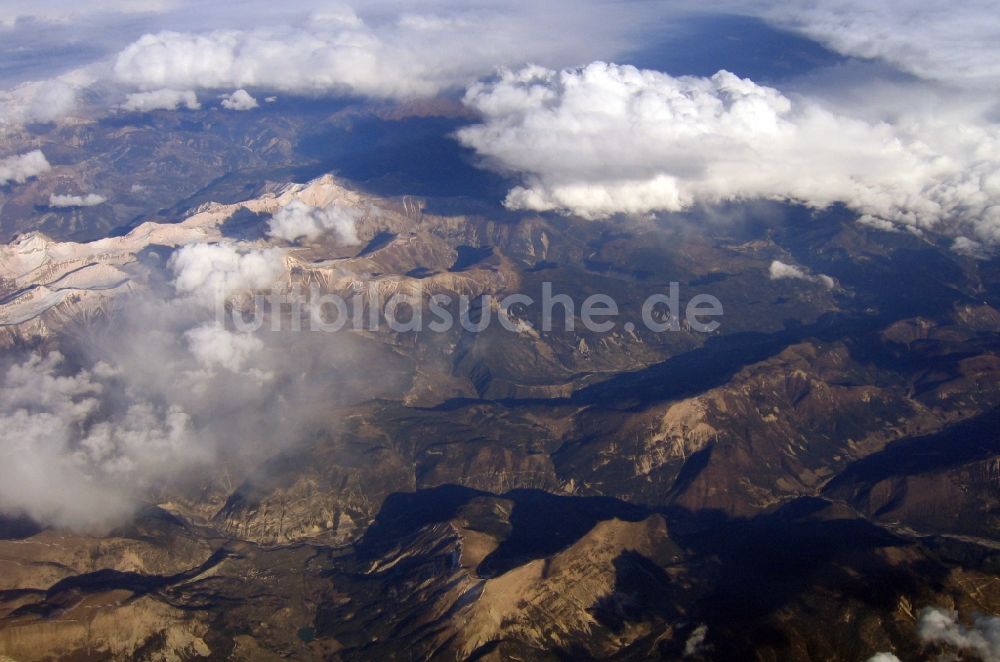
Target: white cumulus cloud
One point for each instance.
(67, 465)
(780, 270)
(88, 200)
(39, 101)
(161, 99)
(239, 100)
(298, 220)
(209, 271)
(696, 643)
(212, 344)
(399, 50)
(970, 248)
(607, 139)
(941, 626)
(22, 167)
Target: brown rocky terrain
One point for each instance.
(798, 485)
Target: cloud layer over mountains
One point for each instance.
(66, 463)
(166, 396)
(607, 139)
(913, 141)
(600, 139)
(88, 441)
(401, 55)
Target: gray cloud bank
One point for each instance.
(957, 43)
(923, 153)
(167, 399)
(170, 396)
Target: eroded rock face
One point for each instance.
(452, 572)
